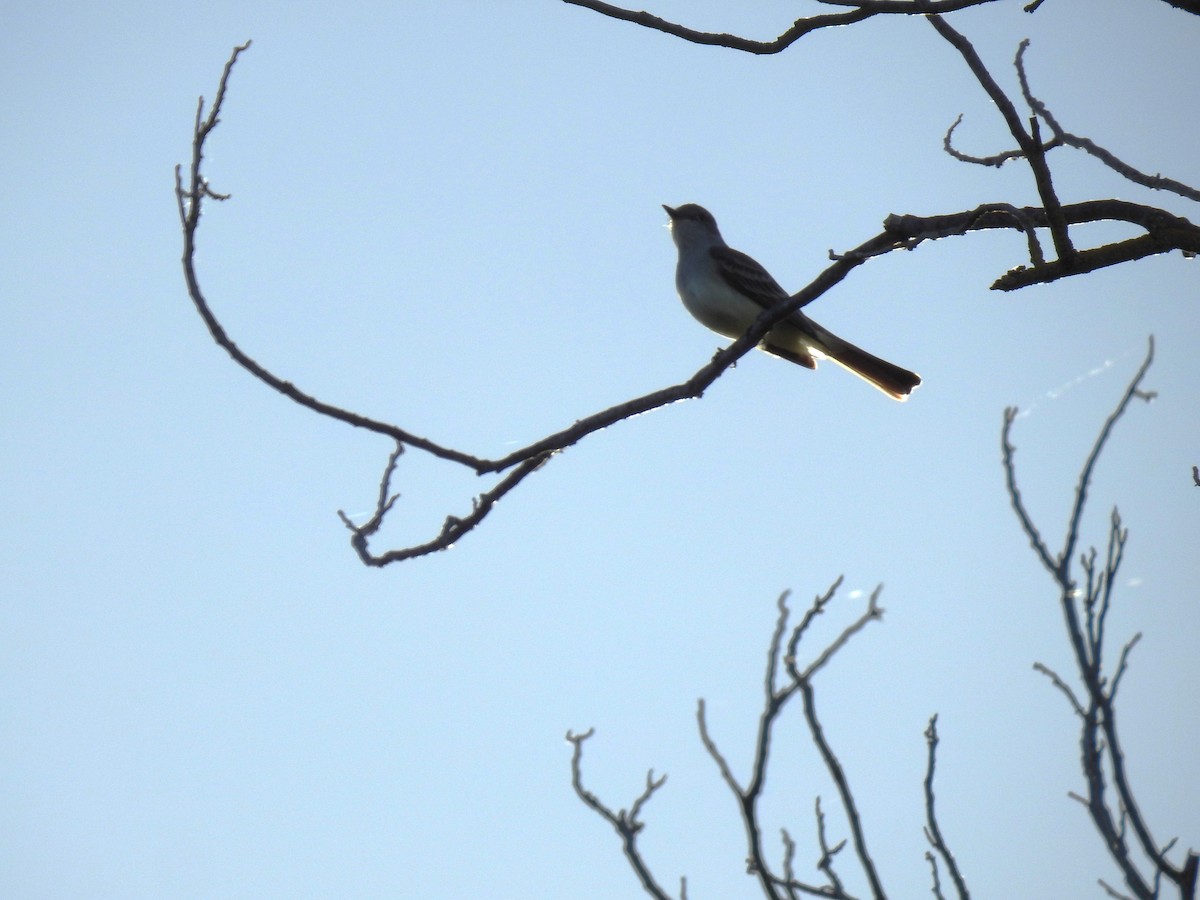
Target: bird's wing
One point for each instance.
(747, 277)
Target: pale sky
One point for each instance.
(448, 216)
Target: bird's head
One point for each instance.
(692, 220)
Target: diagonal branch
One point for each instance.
(625, 824)
(748, 796)
(1060, 137)
(1165, 232)
(453, 528)
(1008, 451)
(1085, 476)
(803, 682)
(522, 462)
(1029, 141)
(834, 767)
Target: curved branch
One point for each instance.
(834, 767)
(1165, 232)
(453, 528)
(860, 9)
(522, 462)
(1063, 138)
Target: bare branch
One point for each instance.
(937, 881)
(1085, 476)
(802, 681)
(932, 830)
(1099, 738)
(452, 529)
(1165, 232)
(626, 825)
(872, 612)
(747, 798)
(825, 863)
(1008, 451)
(1031, 147)
(1112, 892)
(1062, 686)
(789, 855)
(860, 9)
(1064, 137)
(775, 701)
(383, 502)
(1116, 547)
(794, 887)
(994, 161)
(907, 7)
(1122, 662)
(1114, 254)
(190, 216)
(776, 643)
(711, 746)
(817, 607)
(1029, 141)
(834, 766)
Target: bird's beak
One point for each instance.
(670, 212)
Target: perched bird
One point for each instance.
(726, 290)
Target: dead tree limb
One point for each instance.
(1164, 232)
(1085, 598)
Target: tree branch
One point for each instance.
(1099, 738)
(860, 9)
(625, 824)
(1165, 232)
(1029, 141)
(1064, 137)
(748, 797)
(933, 833)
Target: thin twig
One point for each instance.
(1029, 141)
(834, 766)
(825, 863)
(1057, 681)
(1099, 737)
(1066, 138)
(626, 825)
(1085, 476)
(775, 701)
(933, 831)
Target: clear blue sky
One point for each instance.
(448, 216)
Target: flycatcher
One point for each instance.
(726, 290)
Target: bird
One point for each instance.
(725, 290)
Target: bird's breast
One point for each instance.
(713, 302)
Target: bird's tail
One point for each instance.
(887, 377)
